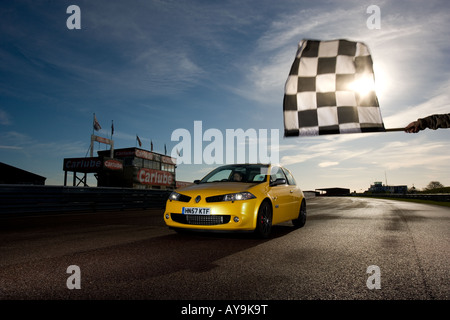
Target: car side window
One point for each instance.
(289, 176)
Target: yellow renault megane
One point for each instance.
(238, 197)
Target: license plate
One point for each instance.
(196, 210)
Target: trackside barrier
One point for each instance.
(309, 194)
(444, 197)
(19, 199)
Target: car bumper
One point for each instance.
(227, 216)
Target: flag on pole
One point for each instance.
(112, 128)
(151, 145)
(138, 141)
(331, 90)
(97, 125)
(165, 149)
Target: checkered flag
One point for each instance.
(330, 90)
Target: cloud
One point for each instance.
(415, 153)
(14, 138)
(163, 71)
(299, 158)
(362, 157)
(338, 147)
(5, 118)
(438, 103)
(32, 147)
(400, 61)
(276, 48)
(122, 49)
(328, 164)
(355, 163)
(10, 147)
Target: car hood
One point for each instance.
(215, 188)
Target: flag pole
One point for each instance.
(394, 129)
(92, 136)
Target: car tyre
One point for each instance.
(264, 220)
(301, 220)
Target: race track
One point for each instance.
(133, 255)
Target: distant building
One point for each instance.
(125, 168)
(138, 168)
(378, 187)
(13, 175)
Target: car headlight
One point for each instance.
(175, 196)
(238, 196)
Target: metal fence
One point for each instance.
(18, 199)
(440, 197)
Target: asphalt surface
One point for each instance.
(132, 255)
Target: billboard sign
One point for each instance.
(113, 164)
(91, 164)
(154, 177)
(86, 165)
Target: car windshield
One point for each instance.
(248, 173)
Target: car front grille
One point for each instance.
(215, 198)
(200, 220)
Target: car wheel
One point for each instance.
(264, 220)
(301, 220)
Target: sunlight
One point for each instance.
(363, 85)
(383, 81)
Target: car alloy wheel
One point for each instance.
(264, 220)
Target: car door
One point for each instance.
(281, 195)
(296, 195)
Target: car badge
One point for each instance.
(197, 200)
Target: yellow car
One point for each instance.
(238, 197)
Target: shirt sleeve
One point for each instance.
(435, 121)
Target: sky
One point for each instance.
(152, 67)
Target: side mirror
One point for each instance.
(196, 181)
(278, 182)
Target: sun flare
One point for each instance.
(363, 86)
